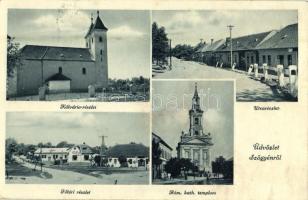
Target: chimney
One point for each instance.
(212, 40)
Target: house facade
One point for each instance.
(136, 155)
(81, 67)
(50, 155)
(281, 48)
(165, 155)
(80, 154)
(243, 50)
(196, 144)
(208, 53)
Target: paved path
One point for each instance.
(70, 177)
(247, 89)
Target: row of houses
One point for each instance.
(271, 47)
(136, 155)
(165, 155)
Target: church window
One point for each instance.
(60, 70)
(101, 52)
(84, 71)
(196, 133)
(87, 45)
(196, 120)
(74, 157)
(100, 39)
(86, 157)
(92, 40)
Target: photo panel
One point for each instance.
(77, 148)
(229, 44)
(193, 132)
(78, 55)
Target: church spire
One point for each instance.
(196, 91)
(196, 99)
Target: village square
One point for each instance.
(63, 154)
(193, 145)
(263, 59)
(78, 55)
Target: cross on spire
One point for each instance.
(98, 13)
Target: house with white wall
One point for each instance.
(81, 154)
(50, 155)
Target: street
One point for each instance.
(247, 89)
(70, 177)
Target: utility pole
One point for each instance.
(102, 147)
(230, 29)
(170, 62)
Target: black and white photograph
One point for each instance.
(77, 148)
(78, 55)
(257, 48)
(193, 128)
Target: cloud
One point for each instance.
(52, 120)
(124, 31)
(64, 20)
(183, 21)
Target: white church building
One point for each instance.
(64, 68)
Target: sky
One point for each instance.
(171, 104)
(78, 127)
(189, 26)
(128, 35)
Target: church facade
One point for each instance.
(65, 68)
(196, 144)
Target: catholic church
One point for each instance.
(196, 144)
(66, 69)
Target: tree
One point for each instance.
(64, 144)
(183, 51)
(13, 56)
(160, 44)
(10, 148)
(174, 166)
(221, 166)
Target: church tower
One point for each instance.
(195, 116)
(195, 144)
(96, 42)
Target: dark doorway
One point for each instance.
(242, 62)
(280, 59)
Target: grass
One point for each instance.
(15, 169)
(96, 171)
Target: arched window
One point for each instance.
(92, 40)
(196, 120)
(100, 39)
(84, 71)
(60, 70)
(101, 52)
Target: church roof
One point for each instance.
(98, 25)
(36, 52)
(58, 77)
